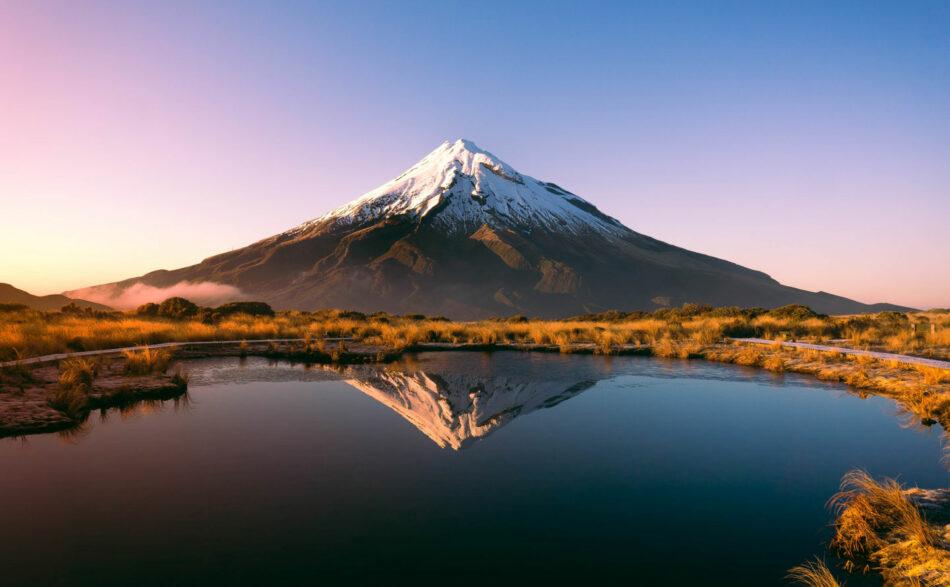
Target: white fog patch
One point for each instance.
(204, 293)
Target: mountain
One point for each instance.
(463, 234)
(12, 295)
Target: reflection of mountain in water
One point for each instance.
(455, 405)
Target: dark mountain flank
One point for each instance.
(464, 235)
(12, 295)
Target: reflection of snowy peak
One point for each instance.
(463, 188)
(455, 410)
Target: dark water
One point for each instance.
(452, 469)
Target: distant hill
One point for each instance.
(465, 235)
(12, 295)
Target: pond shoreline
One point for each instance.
(24, 409)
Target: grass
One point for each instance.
(146, 361)
(180, 378)
(878, 527)
(688, 332)
(31, 333)
(812, 574)
(75, 383)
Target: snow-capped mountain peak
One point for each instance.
(463, 187)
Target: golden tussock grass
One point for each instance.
(812, 574)
(36, 333)
(878, 527)
(75, 383)
(147, 361)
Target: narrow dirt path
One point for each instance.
(907, 359)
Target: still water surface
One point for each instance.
(452, 468)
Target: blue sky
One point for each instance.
(809, 140)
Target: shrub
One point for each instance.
(177, 308)
(149, 309)
(74, 309)
(250, 308)
(794, 312)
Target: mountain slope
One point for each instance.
(463, 234)
(12, 295)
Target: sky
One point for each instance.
(809, 140)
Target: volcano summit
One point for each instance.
(463, 234)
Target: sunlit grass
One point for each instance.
(878, 527)
(812, 574)
(30, 333)
(75, 383)
(146, 361)
(680, 333)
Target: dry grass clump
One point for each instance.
(933, 375)
(75, 383)
(813, 574)
(180, 377)
(750, 355)
(146, 361)
(879, 528)
(665, 349)
(78, 372)
(774, 362)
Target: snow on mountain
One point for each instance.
(464, 187)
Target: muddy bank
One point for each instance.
(27, 395)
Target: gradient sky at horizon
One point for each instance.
(809, 140)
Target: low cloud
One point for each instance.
(204, 293)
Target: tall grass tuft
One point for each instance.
(146, 361)
(871, 514)
(812, 574)
(180, 377)
(75, 383)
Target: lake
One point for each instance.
(452, 468)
